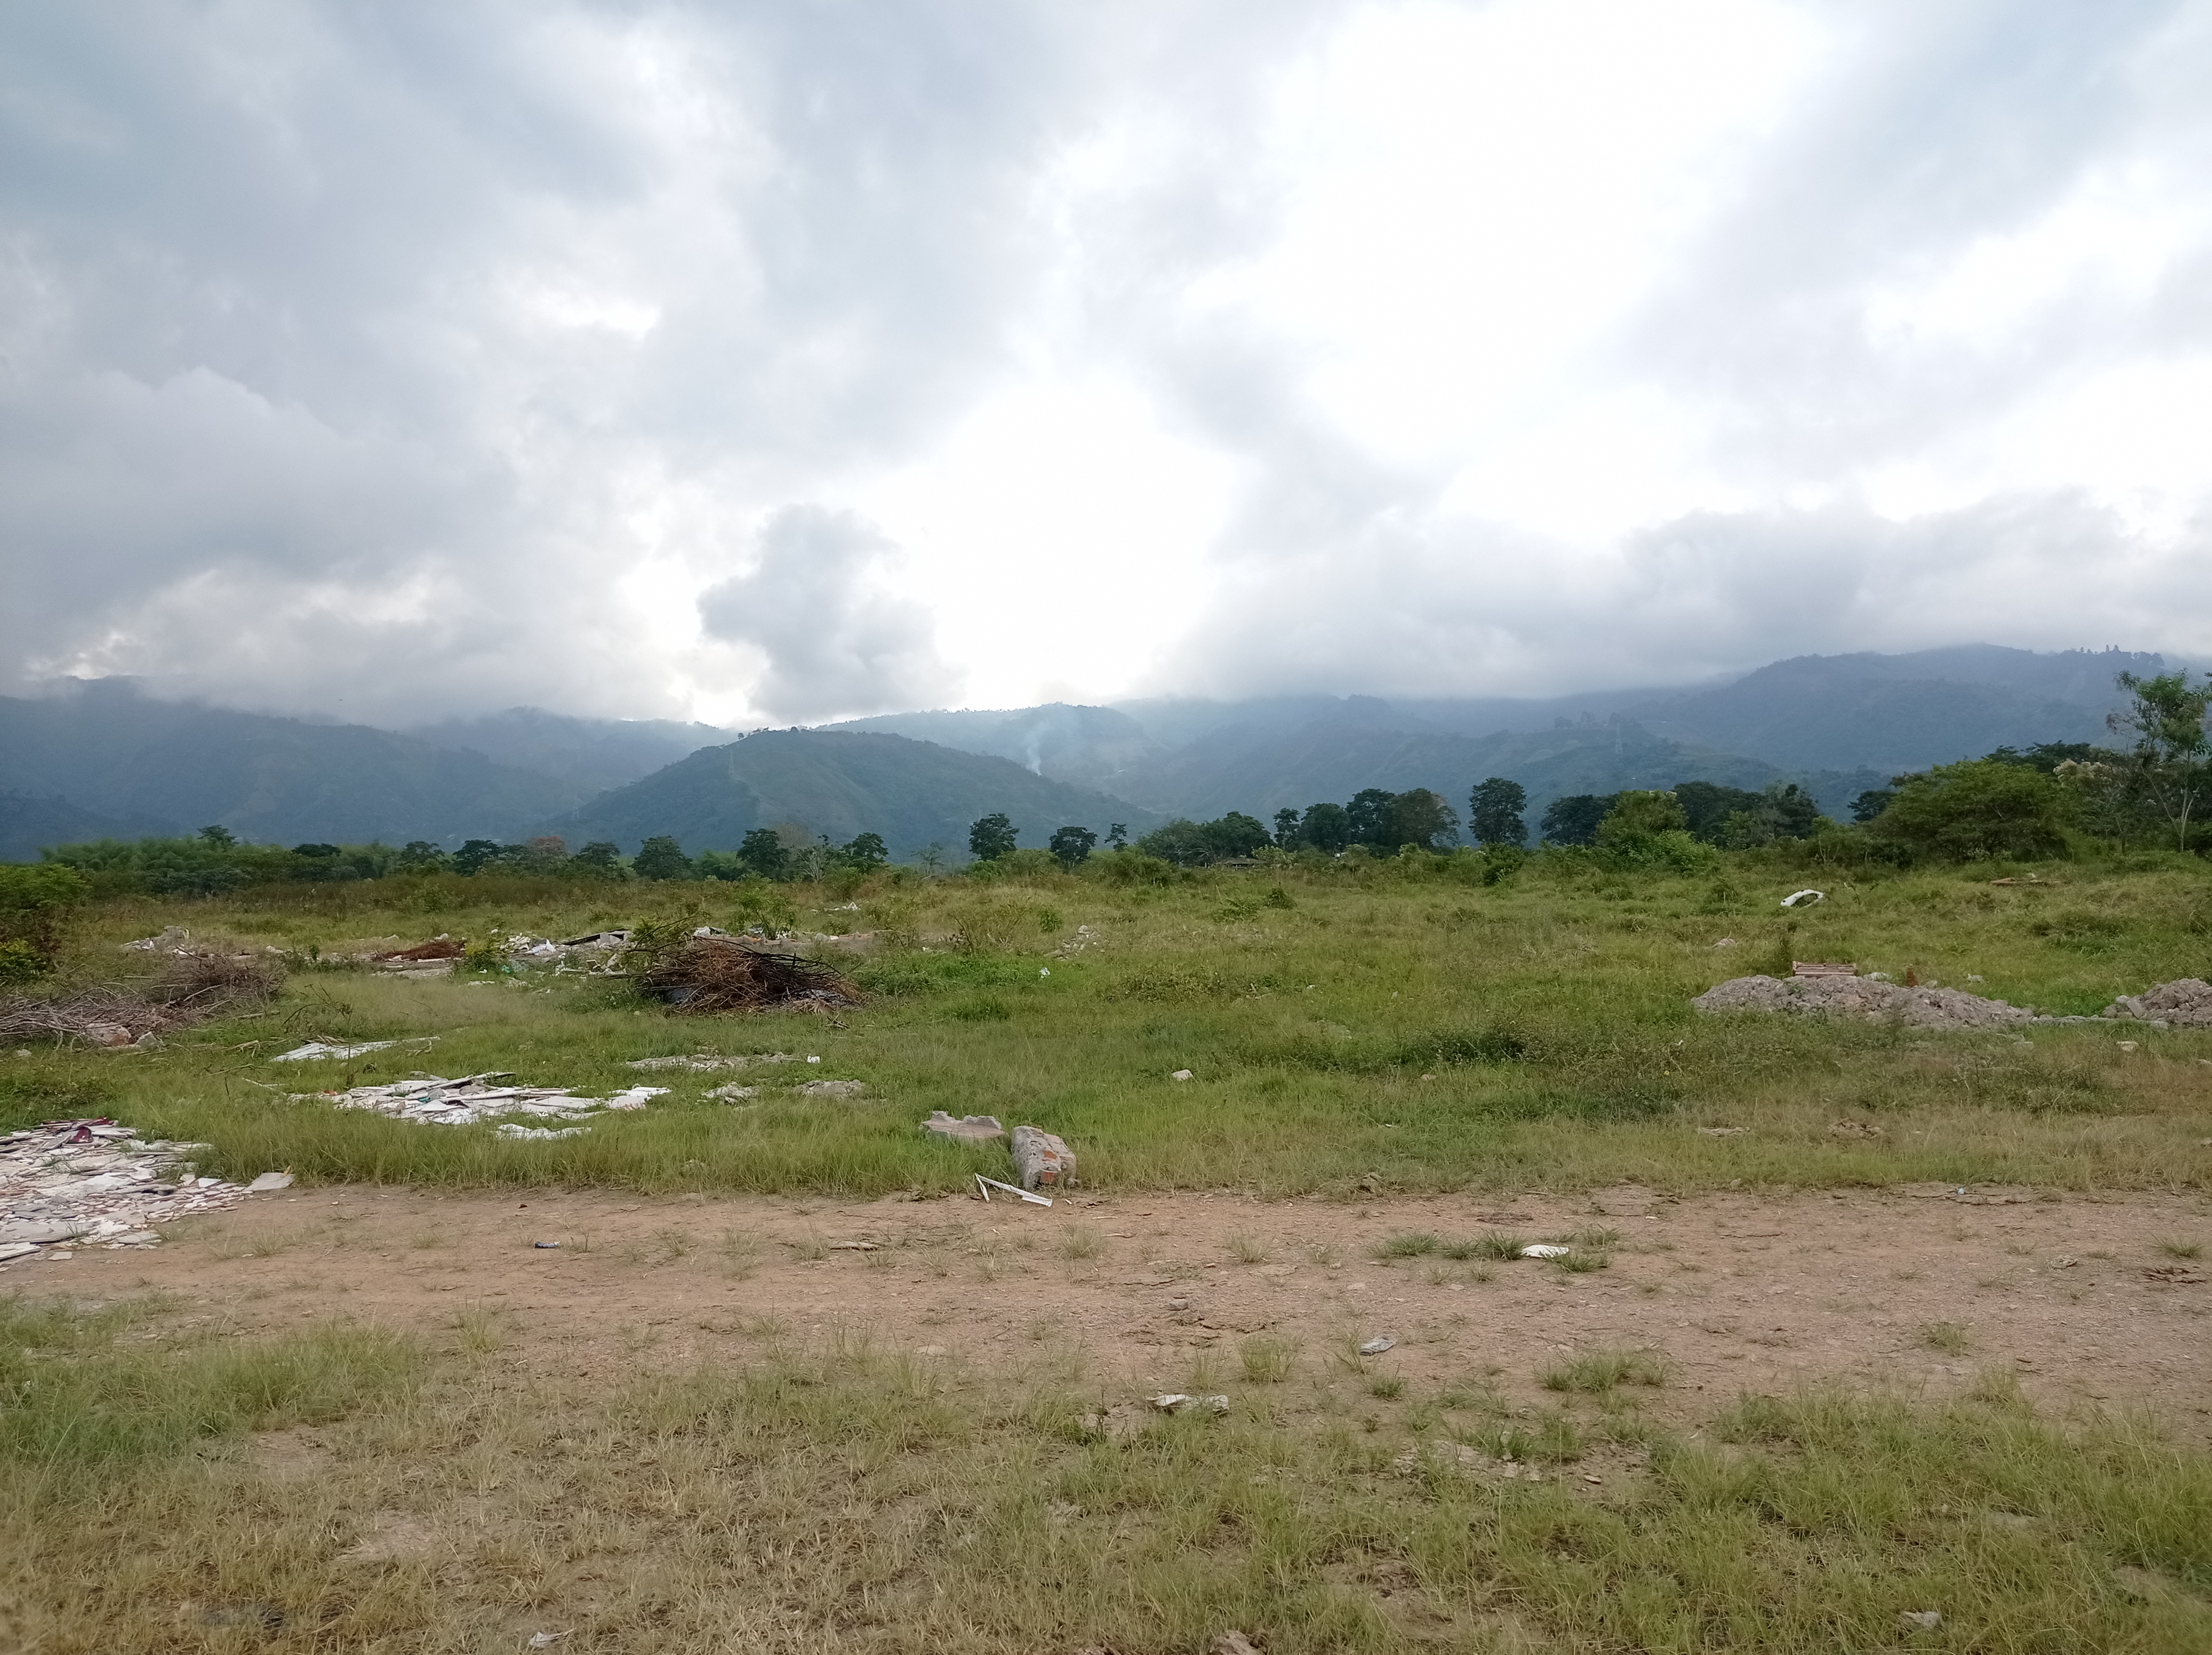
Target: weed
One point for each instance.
(1080, 1241)
(1949, 1337)
(1248, 1249)
(1266, 1360)
(1601, 1372)
(1389, 1387)
(1409, 1244)
(2177, 1249)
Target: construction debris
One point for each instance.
(440, 946)
(730, 1094)
(833, 1088)
(316, 1051)
(1376, 1347)
(1545, 1249)
(1925, 1007)
(1817, 968)
(1041, 1160)
(967, 1129)
(468, 1101)
(2186, 1003)
(1177, 1401)
(984, 1187)
(701, 1062)
(721, 974)
(94, 1183)
(1798, 898)
(191, 988)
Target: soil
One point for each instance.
(2076, 1296)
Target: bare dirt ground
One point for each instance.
(2088, 1300)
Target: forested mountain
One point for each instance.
(841, 783)
(107, 749)
(589, 754)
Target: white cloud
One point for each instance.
(405, 362)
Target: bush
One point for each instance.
(35, 900)
(1978, 809)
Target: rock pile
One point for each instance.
(94, 1183)
(2186, 1003)
(1866, 998)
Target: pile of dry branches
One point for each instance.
(717, 974)
(189, 987)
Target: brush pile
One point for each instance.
(706, 975)
(192, 987)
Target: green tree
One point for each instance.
(1871, 804)
(475, 855)
(1368, 813)
(2172, 756)
(1494, 812)
(1706, 806)
(1574, 819)
(599, 860)
(865, 851)
(1418, 817)
(1286, 828)
(1326, 827)
(764, 855)
(1979, 808)
(420, 855)
(661, 858)
(216, 836)
(991, 836)
(1071, 845)
(1117, 835)
(1181, 842)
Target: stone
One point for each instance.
(969, 1129)
(1041, 1160)
(1231, 1643)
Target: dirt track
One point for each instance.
(2075, 1296)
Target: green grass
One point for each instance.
(1394, 1029)
(839, 1496)
(1601, 1372)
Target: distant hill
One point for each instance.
(1090, 746)
(29, 823)
(842, 783)
(114, 752)
(1333, 758)
(590, 754)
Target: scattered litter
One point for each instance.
(969, 1129)
(731, 1093)
(510, 1129)
(1231, 1642)
(812, 1059)
(702, 1061)
(1821, 968)
(468, 1101)
(440, 947)
(1866, 1129)
(269, 1181)
(1919, 1620)
(1865, 998)
(1728, 942)
(1376, 1347)
(1797, 896)
(1044, 971)
(189, 987)
(315, 1051)
(1179, 1074)
(832, 1088)
(2175, 1274)
(547, 1640)
(1722, 1131)
(721, 974)
(2186, 1002)
(1042, 1160)
(545, 1244)
(2129, 1045)
(1545, 1249)
(97, 1184)
(175, 939)
(1177, 1401)
(984, 1187)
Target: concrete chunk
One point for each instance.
(1041, 1160)
(967, 1129)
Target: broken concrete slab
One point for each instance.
(1041, 1160)
(969, 1129)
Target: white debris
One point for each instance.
(1545, 1249)
(833, 1088)
(1797, 897)
(1178, 1402)
(98, 1184)
(269, 1181)
(316, 1051)
(1179, 1074)
(701, 1062)
(984, 1187)
(1376, 1347)
(175, 939)
(730, 1094)
(468, 1101)
(509, 1130)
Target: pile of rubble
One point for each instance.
(472, 1099)
(1871, 999)
(2184, 1003)
(92, 1183)
(709, 973)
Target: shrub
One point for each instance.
(1976, 809)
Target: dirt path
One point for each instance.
(2081, 1297)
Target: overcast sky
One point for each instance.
(783, 362)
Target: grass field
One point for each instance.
(168, 1484)
(1409, 1030)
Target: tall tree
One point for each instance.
(2171, 745)
(1071, 845)
(1573, 820)
(1368, 814)
(661, 858)
(764, 855)
(992, 836)
(1418, 817)
(866, 852)
(1494, 811)
(1326, 827)
(1286, 827)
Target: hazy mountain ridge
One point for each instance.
(590, 754)
(841, 783)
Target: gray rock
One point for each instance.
(969, 1129)
(1041, 1160)
(39, 1231)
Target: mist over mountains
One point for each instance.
(100, 758)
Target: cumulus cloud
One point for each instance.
(399, 362)
(816, 605)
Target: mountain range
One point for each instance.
(98, 757)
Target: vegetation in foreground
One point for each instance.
(1418, 1022)
(836, 1496)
